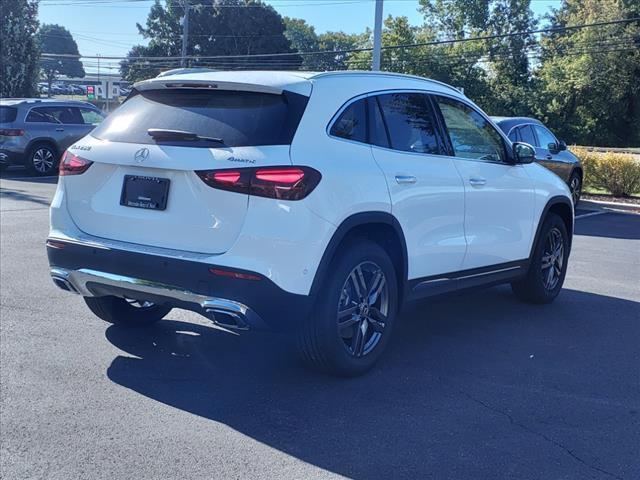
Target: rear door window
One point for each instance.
(527, 136)
(352, 122)
(8, 114)
(410, 123)
(239, 118)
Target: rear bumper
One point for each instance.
(258, 304)
(7, 157)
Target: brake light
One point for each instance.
(284, 183)
(72, 164)
(11, 132)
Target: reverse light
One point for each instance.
(72, 164)
(284, 183)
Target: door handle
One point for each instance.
(477, 182)
(549, 157)
(59, 129)
(406, 179)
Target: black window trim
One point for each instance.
(505, 139)
(443, 136)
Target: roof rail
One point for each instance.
(386, 74)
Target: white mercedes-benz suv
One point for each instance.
(313, 203)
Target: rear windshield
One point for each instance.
(8, 114)
(238, 118)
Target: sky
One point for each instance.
(108, 27)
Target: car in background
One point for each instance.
(550, 152)
(35, 132)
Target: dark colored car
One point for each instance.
(550, 152)
(35, 132)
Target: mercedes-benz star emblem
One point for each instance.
(141, 155)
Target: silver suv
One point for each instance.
(35, 132)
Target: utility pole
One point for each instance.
(377, 37)
(185, 32)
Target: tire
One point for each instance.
(42, 160)
(539, 285)
(131, 313)
(354, 347)
(575, 187)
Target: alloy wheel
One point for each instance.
(552, 259)
(363, 308)
(575, 187)
(43, 160)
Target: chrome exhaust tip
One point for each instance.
(61, 278)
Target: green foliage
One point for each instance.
(589, 89)
(303, 38)
(55, 39)
(617, 173)
(18, 48)
(216, 28)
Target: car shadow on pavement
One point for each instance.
(470, 386)
(619, 225)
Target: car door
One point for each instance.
(74, 125)
(426, 190)
(49, 122)
(499, 196)
(548, 153)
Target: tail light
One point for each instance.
(72, 164)
(11, 132)
(284, 183)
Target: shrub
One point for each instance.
(617, 173)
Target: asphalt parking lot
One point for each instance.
(477, 386)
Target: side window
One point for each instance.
(352, 123)
(70, 115)
(410, 123)
(91, 116)
(527, 136)
(513, 136)
(377, 129)
(545, 137)
(472, 136)
(42, 115)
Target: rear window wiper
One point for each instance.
(164, 134)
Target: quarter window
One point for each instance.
(410, 123)
(472, 136)
(352, 123)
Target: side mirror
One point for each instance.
(523, 153)
(562, 145)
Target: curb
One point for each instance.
(610, 206)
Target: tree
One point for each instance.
(18, 48)
(590, 78)
(236, 29)
(303, 38)
(57, 40)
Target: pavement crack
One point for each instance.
(539, 434)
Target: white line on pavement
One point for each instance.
(592, 214)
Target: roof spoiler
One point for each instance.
(168, 83)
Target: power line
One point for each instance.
(367, 49)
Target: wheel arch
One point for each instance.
(381, 227)
(561, 206)
(42, 140)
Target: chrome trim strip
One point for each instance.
(78, 280)
(450, 279)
